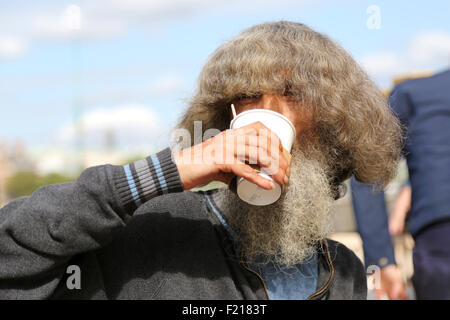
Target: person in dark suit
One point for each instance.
(372, 224)
(423, 107)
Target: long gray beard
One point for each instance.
(287, 232)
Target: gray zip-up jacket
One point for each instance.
(131, 232)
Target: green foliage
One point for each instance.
(24, 183)
(54, 178)
(132, 159)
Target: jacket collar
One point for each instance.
(325, 264)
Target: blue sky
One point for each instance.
(145, 56)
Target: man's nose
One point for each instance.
(270, 102)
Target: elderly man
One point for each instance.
(138, 232)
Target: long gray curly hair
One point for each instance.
(352, 122)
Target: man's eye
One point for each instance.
(288, 93)
(244, 97)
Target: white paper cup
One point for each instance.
(275, 121)
(285, 130)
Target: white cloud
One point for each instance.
(54, 21)
(68, 161)
(69, 24)
(92, 20)
(381, 63)
(134, 129)
(11, 47)
(51, 161)
(424, 52)
(164, 8)
(431, 46)
(167, 83)
(126, 126)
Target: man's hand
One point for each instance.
(392, 284)
(232, 152)
(402, 206)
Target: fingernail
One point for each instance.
(286, 179)
(272, 185)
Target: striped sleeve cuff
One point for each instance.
(145, 179)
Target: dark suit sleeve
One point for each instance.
(372, 223)
(400, 103)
